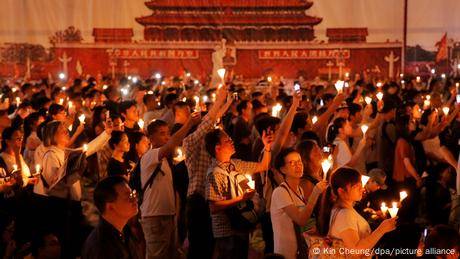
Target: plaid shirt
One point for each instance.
(197, 158)
(219, 189)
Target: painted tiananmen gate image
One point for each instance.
(250, 38)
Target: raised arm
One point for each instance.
(177, 138)
(283, 131)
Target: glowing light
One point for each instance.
(221, 73)
(196, 82)
(443, 76)
(393, 210)
(445, 110)
(383, 208)
(402, 195)
(339, 85)
(314, 119)
(418, 79)
(205, 98)
(82, 118)
(188, 74)
(269, 79)
(251, 183)
(104, 87)
(364, 128)
(158, 76)
(364, 179)
(379, 96)
(368, 100)
(401, 75)
(85, 148)
(140, 123)
(62, 76)
(37, 168)
(18, 100)
(276, 110)
(134, 79)
(15, 167)
(379, 84)
(179, 155)
(347, 75)
(326, 164)
(433, 71)
(61, 101)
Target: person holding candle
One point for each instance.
(32, 141)
(225, 190)
(345, 222)
(290, 209)
(57, 187)
(338, 134)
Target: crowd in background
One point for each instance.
(156, 168)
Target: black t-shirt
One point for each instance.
(117, 168)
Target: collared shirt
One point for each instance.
(105, 241)
(218, 188)
(197, 158)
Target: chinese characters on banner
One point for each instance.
(153, 53)
(304, 54)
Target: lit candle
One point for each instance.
(188, 74)
(402, 195)
(401, 75)
(104, 87)
(184, 99)
(428, 97)
(251, 183)
(379, 96)
(339, 85)
(70, 127)
(383, 208)
(326, 164)
(61, 101)
(61, 76)
(37, 168)
(426, 104)
(141, 123)
(379, 84)
(321, 103)
(443, 76)
(368, 100)
(213, 97)
(445, 110)
(433, 71)
(196, 82)
(15, 167)
(18, 100)
(314, 119)
(418, 79)
(179, 155)
(63, 88)
(393, 210)
(221, 73)
(70, 105)
(85, 148)
(150, 92)
(81, 118)
(157, 76)
(347, 75)
(364, 179)
(269, 79)
(276, 110)
(205, 99)
(364, 128)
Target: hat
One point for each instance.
(378, 176)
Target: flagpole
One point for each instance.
(403, 54)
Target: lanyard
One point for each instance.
(298, 196)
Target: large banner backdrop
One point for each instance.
(251, 38)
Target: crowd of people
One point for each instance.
(132, 168)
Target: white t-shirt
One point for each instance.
(343, 153)
(344, 218)
(285, 242)
(159, 198)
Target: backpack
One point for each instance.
(135, 179)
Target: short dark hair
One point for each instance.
(55, 108)
(116, 138)
(212, 139)
(266, 122)
(299, 122)
(241, 106)
(148, 98)
(105, 191)
(354, 108)
(443, 237)
(344, 177)
(180, 105)
(126, 105)
(154, 125)
(170, 99)
(279, 160)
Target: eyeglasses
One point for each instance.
(295, 162)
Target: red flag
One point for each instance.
(442, 48)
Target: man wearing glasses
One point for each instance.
(117, 203)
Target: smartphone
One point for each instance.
(458, 98)
(297, 87)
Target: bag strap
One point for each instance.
(42, 178)
(149, 182)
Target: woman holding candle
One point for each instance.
(290, 209)
(338, 134)
(311, 159)
(345, 222)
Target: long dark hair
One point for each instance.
(7, 134)
(334, 129)
(341, 178)
(30, 123)
(304, 148)
(402, 127)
